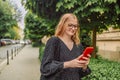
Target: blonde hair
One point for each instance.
(60, 27)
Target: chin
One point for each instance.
(71, 34)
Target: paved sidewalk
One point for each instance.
(25, 66)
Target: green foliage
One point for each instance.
(6, 18)
(46, 8)
(41, 51)
(36, 44)
(94, 15)
(13, 33)
(37, 27)
(91, 13)
(103, 70)
(32, 24)
(86, 39)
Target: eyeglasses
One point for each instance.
(72, 26)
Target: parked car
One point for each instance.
(2, 42)
(13, 41)
(22, 42)
(6, 41)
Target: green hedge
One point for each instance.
(41, 51)
(103, 70)
(36, 44)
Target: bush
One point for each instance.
(103, 70)
(41, 51)
(36, 44)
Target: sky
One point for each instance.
(19, 5)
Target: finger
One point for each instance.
(86, 63)
(81, 65)
(85, 58)
(89, 55)
(79, 56)
(81, 62)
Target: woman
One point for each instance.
(62, 53)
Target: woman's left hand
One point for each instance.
(86, 61)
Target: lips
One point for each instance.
(72, 31)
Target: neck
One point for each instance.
(66, 38)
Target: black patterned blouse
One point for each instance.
(55, 54)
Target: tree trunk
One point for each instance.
(94, 42)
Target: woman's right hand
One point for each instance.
(75, 63)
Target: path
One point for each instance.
(25, 66)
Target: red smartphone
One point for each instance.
(87, 51)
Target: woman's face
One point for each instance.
(71, 27)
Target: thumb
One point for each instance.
(79, 56)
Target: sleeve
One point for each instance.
(84, 73)
(49, 66)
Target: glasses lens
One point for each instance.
(72, 26)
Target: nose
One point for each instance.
(74, 27)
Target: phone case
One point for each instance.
(87, 51)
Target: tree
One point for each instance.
(32, 27)
(37, 26)
(13, 33)
(94, 15)
(6, 19)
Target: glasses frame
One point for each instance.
(73, 26)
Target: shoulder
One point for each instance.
(81, 47)
(53, 39)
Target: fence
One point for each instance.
(10, 54)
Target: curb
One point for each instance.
(4, 63)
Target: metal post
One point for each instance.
(15, 51)
(7, 57)
(12, 54)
